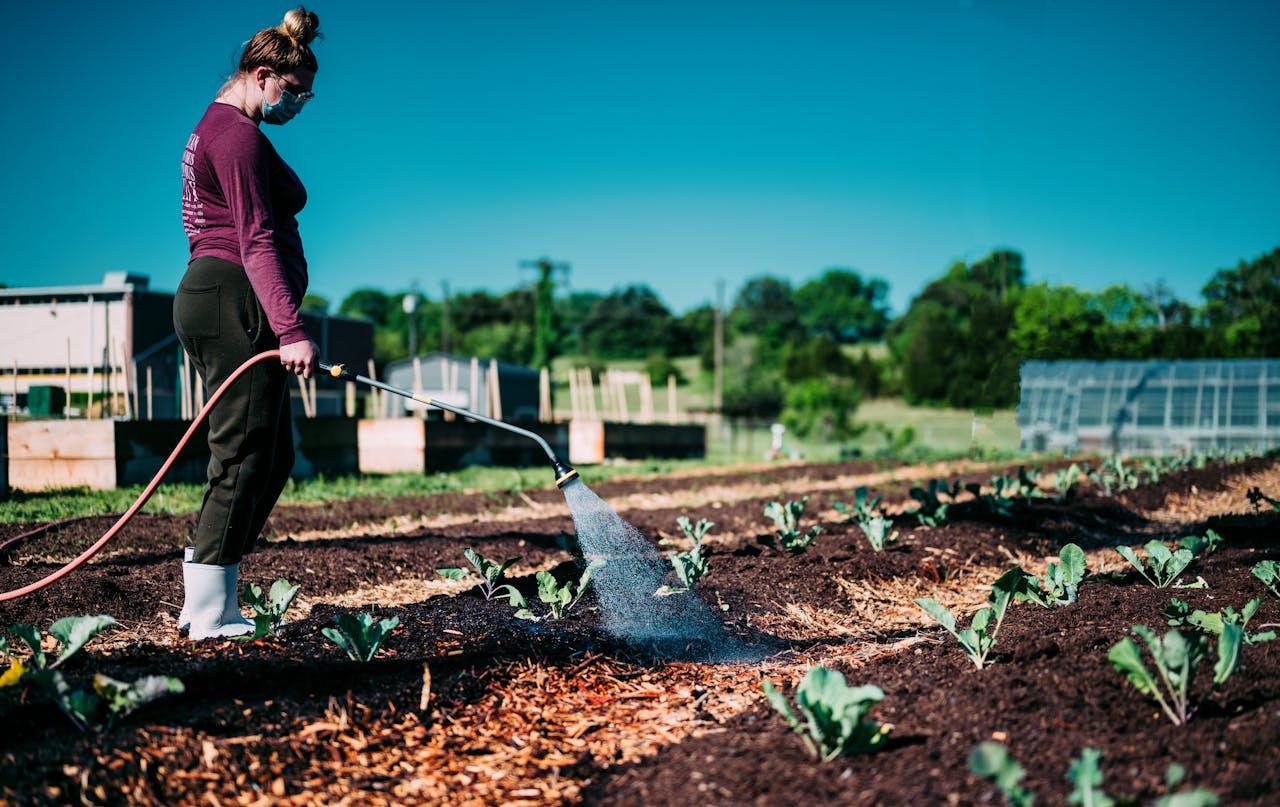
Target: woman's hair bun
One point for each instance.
(300, 25)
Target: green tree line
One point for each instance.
(799, 351)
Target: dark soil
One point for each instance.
(1051, 689)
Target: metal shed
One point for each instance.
(1150, 407)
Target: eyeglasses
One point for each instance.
(301, 95)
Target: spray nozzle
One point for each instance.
(564, 473)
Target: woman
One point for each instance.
(240, 296)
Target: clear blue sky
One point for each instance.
(671, 143)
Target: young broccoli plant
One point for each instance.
(1066, 480)
(1204, 545)
(359, 635)
(269, 608)
(1180, 614)
(67, 635)
(1162, 567)
(835, 714)
(788, 535)
(874, 524)
(1006, 491)
(992, 761)
(1175, 657)
(1061, 580)
(1257, 498)
(978, 639)
(1268, 571)
(864, 507)
(932, 511)
(119, 699)
(690, 566)
(1114, 476)
(490, 572)
(559, 598)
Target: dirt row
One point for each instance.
(560, 712)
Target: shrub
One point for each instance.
(835, 715)
(359, 635)
(821, 408)
(786, 520)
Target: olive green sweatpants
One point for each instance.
(221, 324)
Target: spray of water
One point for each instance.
(628, 572)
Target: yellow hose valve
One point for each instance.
(336, 371)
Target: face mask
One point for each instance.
(282, 111)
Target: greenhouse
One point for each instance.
(1150, 407)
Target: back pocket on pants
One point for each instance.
(197, 311)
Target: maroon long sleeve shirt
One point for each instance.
(239, 203)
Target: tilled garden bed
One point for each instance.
(558, 711)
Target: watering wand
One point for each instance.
(564, 473)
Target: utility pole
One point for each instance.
(410, 305)
(444, 317)
(544, 308)
(717, 395)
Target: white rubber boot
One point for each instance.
(184, 618)
(207, 589)
(231, 608)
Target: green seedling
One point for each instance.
(978, 639)
(268, 609)
(109, 700)
(490, 572)
(1085, 775)
(992, 761)
(359, 635)
(1175, 657)
(559, 598)
(1202, 546)
(690, 566)
(694, 532)
(1199, 797)
(786, 518)
(1257, 498)
(1066, 480)
(1114, 476)
(1162, 567)
(1180, 614)
(835, 714)
(1004, 496)
(1061, 580)
(932, 511)
(879, 532)
(1268, 571)
(864, 506)
(68, 635)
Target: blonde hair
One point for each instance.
(284, 47)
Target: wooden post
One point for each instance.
(495, 390)
(448, 380)
(573, 393)
(593, 411)
(150, 411)
(132, 374)
(672, 415)
(606, 397)
(624, 407)
(375, 399)
(198, 386)
(473, 402)
(302, 391)
(350, 407)
(186, 387)
(646, 398)
(15, 387)
(124, 379)
(66, 411)
(313, 396)
(544, 395)
(417, 383)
